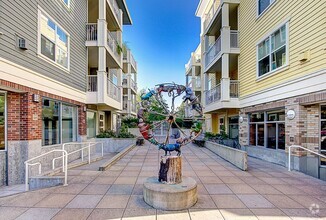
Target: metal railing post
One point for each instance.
(26, 177)
(102, 149)
(89, 153)
(82, 154)
(66, 168)
(289, 158)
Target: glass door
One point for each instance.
(2, 121)
(323, 134)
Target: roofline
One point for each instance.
(123, 6)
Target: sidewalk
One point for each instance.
(266, 191)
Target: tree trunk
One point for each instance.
(170, 170)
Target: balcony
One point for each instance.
(216, 7)
(106, 92)
(128, 82)
(217, 99)
(128, 57)
(193, 61)
(116, 11)
(125, 107)
(215, 51)
(112, 42)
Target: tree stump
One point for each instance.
(170, 170)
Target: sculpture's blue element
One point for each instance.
(148, 95)
(170, 147)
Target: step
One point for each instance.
(40, 182)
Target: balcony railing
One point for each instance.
(234, 39)
(113, 91)
(197, 82)
(211, 13)
(92, 83)
(213, 51)
(133, 107)
(133, 84)
(112, 43)
(91, 32)
(234, 89)
(213, 95)
(188, 65)
(133, 61)
(125, 105)
(116, 10)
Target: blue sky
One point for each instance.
(162, 37)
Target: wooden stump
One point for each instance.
(170, 170)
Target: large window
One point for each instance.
(272, 51)
(59, 122)
(91, 124)
(323, 134)
(54, 41)
(263, 5)
(267, 129)
(2, 121)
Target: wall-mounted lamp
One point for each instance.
(290, 114)
(36, 98)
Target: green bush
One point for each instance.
(130, 122)
(106, 134)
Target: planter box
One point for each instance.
(114, 145)
(237, 157)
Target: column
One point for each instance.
(225, 80)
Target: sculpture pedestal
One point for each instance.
(170, 170)
(170, 196)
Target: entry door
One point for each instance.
(101, 121)
(2, 121)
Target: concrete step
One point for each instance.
(40, 182)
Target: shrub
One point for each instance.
(106, 134)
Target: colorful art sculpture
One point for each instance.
(170, 115)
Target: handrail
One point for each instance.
(65, 156)
(297, 146)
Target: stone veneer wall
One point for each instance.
(24, 127)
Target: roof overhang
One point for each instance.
(201, 7)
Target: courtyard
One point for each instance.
(265, 191)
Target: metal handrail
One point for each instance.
(27, 164)
(297, 146)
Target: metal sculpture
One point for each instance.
(170, 115)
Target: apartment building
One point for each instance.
(269, 84)
(105, 63)
(129, 84)
(59, 63)
(193, 78)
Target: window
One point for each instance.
(267, 129)
(91, 124)
(272, 51)
(54, 41)
(59, 122)
(263, 5)
(2, 121)
(323, 134)
(67, 2)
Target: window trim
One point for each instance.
(271, 3)
(67, 5)
(6, 120)
(39, 39)
(279, 69)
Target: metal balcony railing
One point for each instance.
(125, 105)
(234, 89)
(113, 44)
(133, 61)
(197, 82)
(213, 95)
(234, 39)
(213, 51)
(91, 32)
(211, 13)
(113, 91)
(116, 10)
(133, 84)
(92, 83)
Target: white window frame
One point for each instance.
(67, 5)
(39, 53)
(271, 2)
(286, 23)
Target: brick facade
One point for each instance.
(25, 116)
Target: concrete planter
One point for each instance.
(237, 157)
(114, 145)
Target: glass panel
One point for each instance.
(271, 136)
(62, 57)
(257, 117)
(66, 1)
(323, 160)
(263, 49)
(279, 58)
(47, 48)
(47, 28)
(233, 131)
(278, 38)
(91, 124)
(323, 135)
(262, 5)
(276, 116)
(281, 136)
(2, 122)
(252, 134)
(260, 134)
(69, 123)
(263, 66)
(234, 120)
(323, 112)
(50, 122)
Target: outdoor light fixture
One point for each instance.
(84, 108)
(290, 114)
(36, 98)
(240, 119)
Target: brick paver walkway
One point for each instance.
(266, 191)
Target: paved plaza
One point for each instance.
(266, 191)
